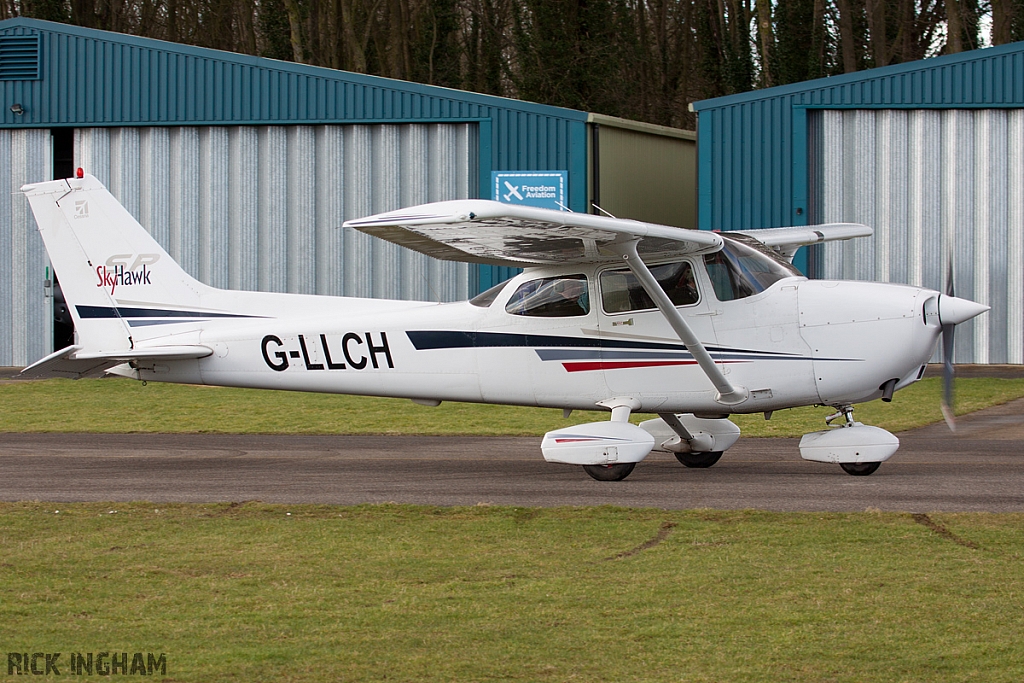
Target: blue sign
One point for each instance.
(543, 189)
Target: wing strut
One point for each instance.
(727, 393)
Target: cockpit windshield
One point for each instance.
(745, 267)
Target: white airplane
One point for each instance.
(613, 314)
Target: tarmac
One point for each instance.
(980, 468)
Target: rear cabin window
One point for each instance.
(745, 267)
(487, 297)
(622, 292)
(551, 297)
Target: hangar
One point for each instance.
(929, 153)
(244, 168)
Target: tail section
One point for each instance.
(114, 275)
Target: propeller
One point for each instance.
(952, 312)
(948, 371)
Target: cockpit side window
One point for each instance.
(551, 297)
(740, 269)
(487, 297)
(622, 292)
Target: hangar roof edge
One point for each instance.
(876, 74)
(268, 64)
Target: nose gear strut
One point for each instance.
(844, 410)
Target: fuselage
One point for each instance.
(795, 342)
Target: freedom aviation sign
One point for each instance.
(543, 189)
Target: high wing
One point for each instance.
(507, 234)
(787, 241)
(482, 231)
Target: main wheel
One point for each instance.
(706, 459)
(859, 469)
(610, 472)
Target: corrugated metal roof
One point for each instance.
(102, 78)
(991, 77)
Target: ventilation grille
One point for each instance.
(19, 58)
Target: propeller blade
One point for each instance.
(949, 277)
(947, 352)
(947, 376)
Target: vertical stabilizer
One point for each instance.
(110, 268)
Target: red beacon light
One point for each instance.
(79, 173)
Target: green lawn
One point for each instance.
(121, 405)
(254, 592)
(371, 593)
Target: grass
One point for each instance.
(126, 406)
(257, 592)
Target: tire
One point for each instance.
(859, 469)
(701, 460)
(610, 472)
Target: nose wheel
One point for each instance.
(610, 472)
(862, 469)
(699, 460)
(856, 469)
(859, 449)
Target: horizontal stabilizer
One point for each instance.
(786, 241)
(74, 363)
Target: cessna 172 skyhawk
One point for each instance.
(615, 314)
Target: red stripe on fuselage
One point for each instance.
(625, 364)
(618, 365)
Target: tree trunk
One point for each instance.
(295, 24)
(817, 65)
(876, 27)
(846, 39)
(1002, 21)
(766, 39)
(246, 27)
(954, 27)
